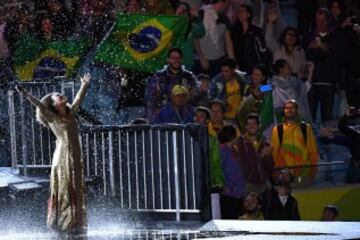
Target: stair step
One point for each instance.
(24, 189)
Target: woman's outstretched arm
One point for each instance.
(46, 113)
(85, 80)
(36, 102)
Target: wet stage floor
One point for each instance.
(212, 230)
(107, 222)
(23, 217)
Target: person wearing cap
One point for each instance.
(158, 88)
(178, 110)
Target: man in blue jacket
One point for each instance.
(158, 89)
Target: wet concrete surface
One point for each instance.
(23, 216)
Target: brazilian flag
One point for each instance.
(141, 42)
(30, 52)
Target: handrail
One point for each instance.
(169, 126)
(314, 165)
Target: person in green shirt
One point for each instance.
(195, 30)
(202, 116)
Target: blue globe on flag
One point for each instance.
(146, 40)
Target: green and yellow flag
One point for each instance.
(30, 51)
(141, 42)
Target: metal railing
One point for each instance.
(161, 168)
(324, 173)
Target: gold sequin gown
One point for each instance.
(66, 204)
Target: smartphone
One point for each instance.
(265, 88)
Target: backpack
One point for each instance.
(280, 130)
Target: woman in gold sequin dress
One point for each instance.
(66, 205)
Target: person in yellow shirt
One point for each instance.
(294, 145)
(228, 86)
(217, 121)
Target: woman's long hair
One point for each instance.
(238, 28)
(283, 36)
(48, 103)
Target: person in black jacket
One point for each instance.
(249, 42)
(278, 204)
(349, 125)
(325, 47)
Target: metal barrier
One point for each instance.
(160, 168)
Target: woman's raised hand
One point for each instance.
(86, 78)
(273, 16)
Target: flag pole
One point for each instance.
(105, 37)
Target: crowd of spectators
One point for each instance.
(246, 70)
